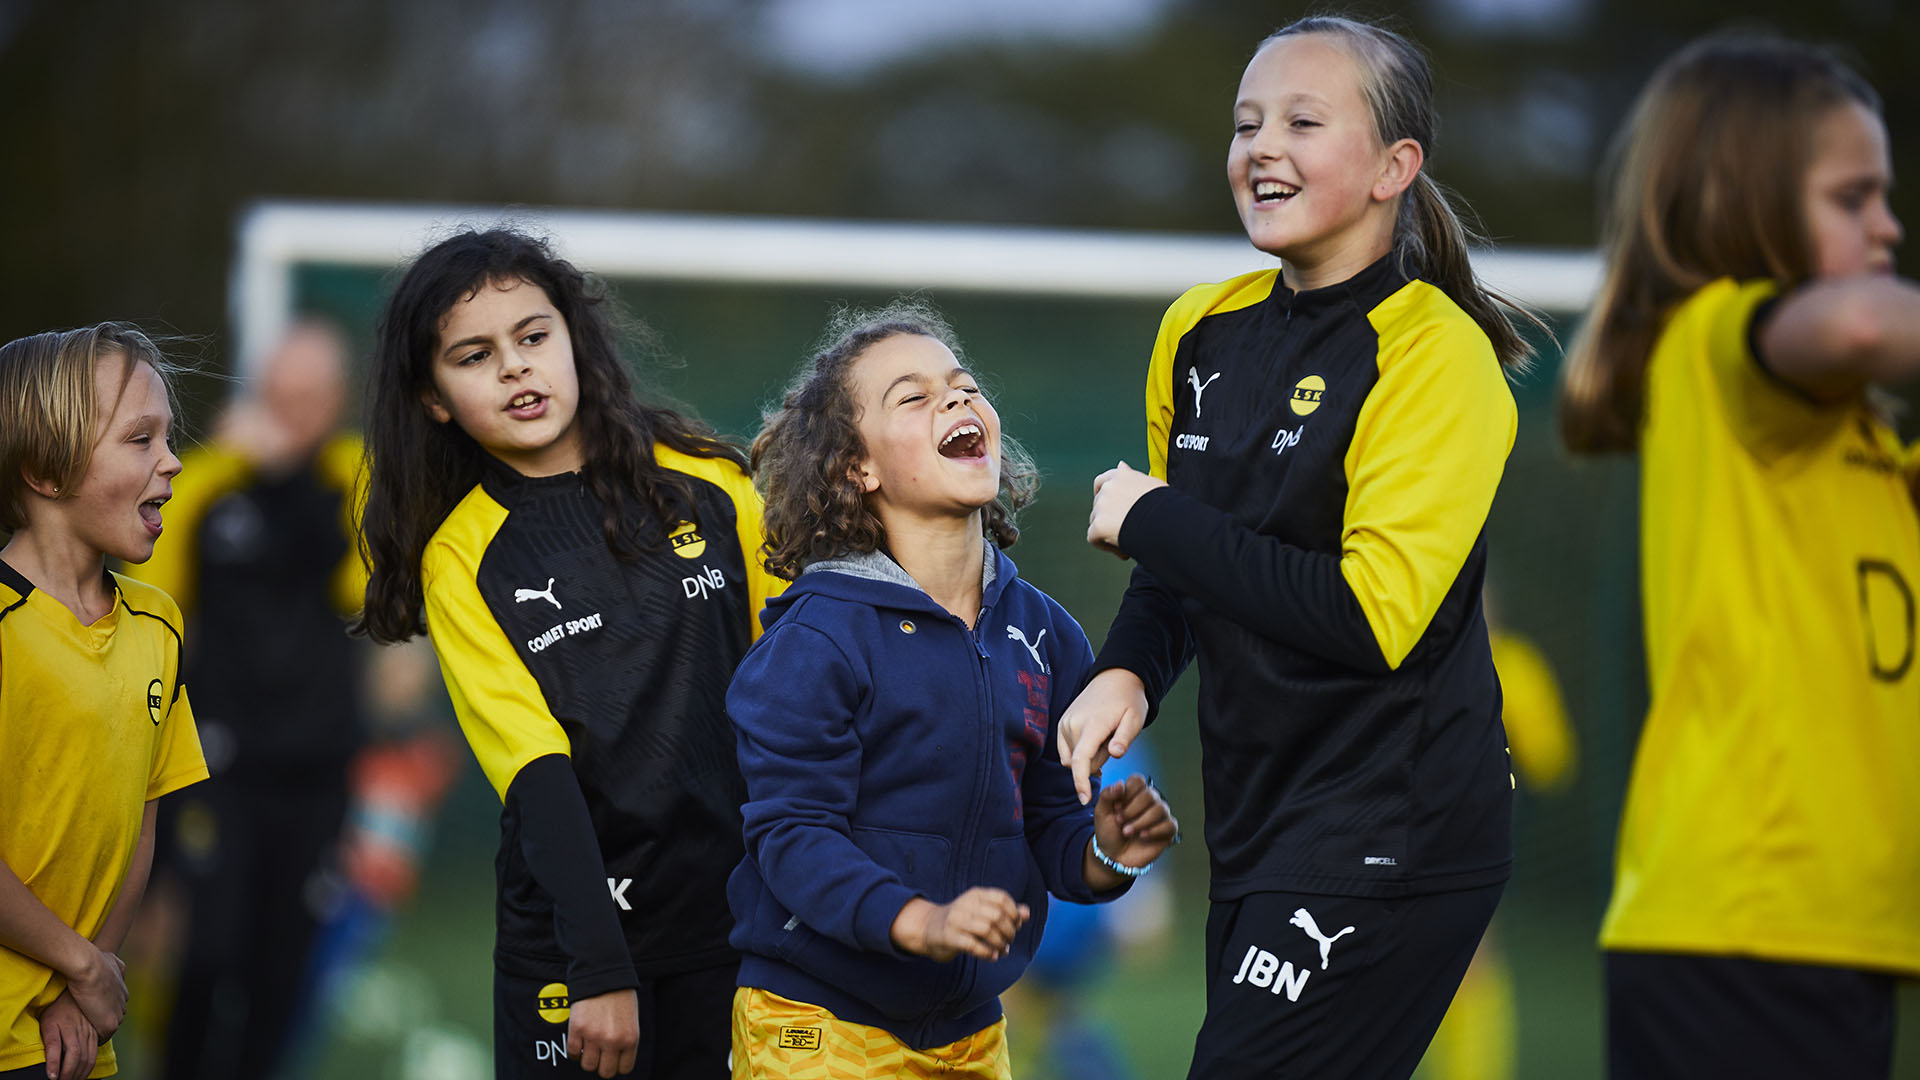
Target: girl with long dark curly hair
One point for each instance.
(581, 560)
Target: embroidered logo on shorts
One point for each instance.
(799, 1038)
(552, 1003)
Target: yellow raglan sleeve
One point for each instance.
(1428, 450)
(499, 704)
(1183, 315)
(342, 463)
(177, 757)
(748, 522)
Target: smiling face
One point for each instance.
(1311, 179)
(503, 371)
(932, 440)
(115, 508)
(1852, 228)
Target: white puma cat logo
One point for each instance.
(521, 596)
(1193, 376)
(1014, 633)
(1305, 922)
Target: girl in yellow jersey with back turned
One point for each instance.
(1767, 891)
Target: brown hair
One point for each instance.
(49, 405)
(1429, 238)
(806, 456)
(1705, 182)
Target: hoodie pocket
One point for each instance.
(923, 861)
(1010, 866)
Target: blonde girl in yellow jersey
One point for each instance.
(1767, 891)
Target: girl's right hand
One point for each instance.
(100, 989)
(603, 1032)
(980, 922)
(1102, 722)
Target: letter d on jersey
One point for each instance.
(1282, 439)
(550, 1051)
(1265, 970)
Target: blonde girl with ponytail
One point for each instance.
(1324, 443)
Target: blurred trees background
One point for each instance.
(135, 131)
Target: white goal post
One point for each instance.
(275, 237)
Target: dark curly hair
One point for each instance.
(419, 470)
(805, 460)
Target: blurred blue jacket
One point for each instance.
(892, 752)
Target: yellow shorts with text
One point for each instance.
(778, 1039)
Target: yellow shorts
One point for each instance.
(777, 1039)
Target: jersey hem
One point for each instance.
(554, 966)
(1802, 948)
(1353, 885)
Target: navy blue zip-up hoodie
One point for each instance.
(891, 752)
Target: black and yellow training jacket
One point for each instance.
(1331, 457)
(593, 693)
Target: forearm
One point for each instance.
(30, 928)
(557, 841)
(1831, 337)
(120, 917)
(1148, 637)
(1276, 590)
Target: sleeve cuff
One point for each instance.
(873, 919)
(585, 982)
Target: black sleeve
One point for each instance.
(1149, 637)
(556, 838)
(1276, 590)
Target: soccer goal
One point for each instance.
(278, 238)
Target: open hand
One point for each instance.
(1102, 721)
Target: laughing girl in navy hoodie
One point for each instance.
(906, 814)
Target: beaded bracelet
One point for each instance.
(1115, 865)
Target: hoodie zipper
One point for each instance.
(983, 765)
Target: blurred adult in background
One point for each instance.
(263, 560)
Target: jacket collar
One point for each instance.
(874, 578)
(1364, 290)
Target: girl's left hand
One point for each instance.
(71, 1042)
(1114, 493)
(1132, 824)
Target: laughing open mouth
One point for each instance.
(968, 440)
(1273, 191)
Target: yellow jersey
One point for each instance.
(1774, 805)
(94, 722)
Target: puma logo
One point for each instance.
(521, 596)
(1193, 376)
(1014, 633)
(1305, 922)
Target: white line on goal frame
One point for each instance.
(277, 236)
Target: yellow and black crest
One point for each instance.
(1306, 394)
(687, 541)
